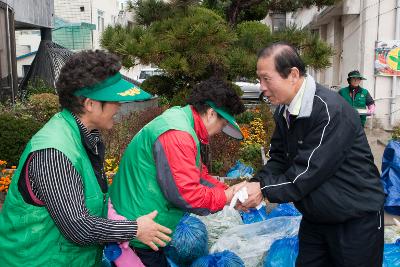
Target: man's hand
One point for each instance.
(231, 191)
(149, 232)
(255, 197)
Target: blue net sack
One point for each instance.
(225, 258)
(285, 209)
(283, 252)
(240, 170)
(390, 177)
(105, 262)
(189, 241)
(112, 251)
(171, 263)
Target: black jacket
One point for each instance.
(323, 162)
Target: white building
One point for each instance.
(353, 28)
(98, 12)
(27, 44)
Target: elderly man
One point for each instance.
(320, 161)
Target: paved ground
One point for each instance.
(375, 138)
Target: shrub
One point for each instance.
(38, 86)
(5, 176)
(179, 99)
(117, 139)
(224, 150)
(163, 101)
(246, 117)
(257, 125)
(251, 155)
(15, 134)
(396, 133)
(43, 106)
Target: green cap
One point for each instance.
(114, 89)
(355, 74)
(232, 129)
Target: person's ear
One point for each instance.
(294, 75)
(88, 104)
(211, 114)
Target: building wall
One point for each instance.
(26, 42)
(71, 12)
(378, 23)
(353, 34)
(33, 12)
(303, 17)
(110, 9)
(22, 62)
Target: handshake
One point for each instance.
(244, 195)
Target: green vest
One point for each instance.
(360, 100)
(28, 235)
(135, 190)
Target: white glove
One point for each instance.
(240, 195)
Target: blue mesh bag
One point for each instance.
(225, 258)
(189, 241)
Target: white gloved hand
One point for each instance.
(240, 195)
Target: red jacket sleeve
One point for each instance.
(180, 180)
(209, 178)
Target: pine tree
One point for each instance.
(192, 40)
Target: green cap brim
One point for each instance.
(357, 76)
(232, 129)
(114, 89)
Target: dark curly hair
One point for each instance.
(84, 69)
(218, 91)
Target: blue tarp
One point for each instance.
(285, 209)
(258, 215)
(391, 177)
(391, 255)
(240, 170)
(254, 215)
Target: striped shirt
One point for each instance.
(56, 182)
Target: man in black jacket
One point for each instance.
(320, 161)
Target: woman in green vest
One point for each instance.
(162, 170)
(358, 97)
(55, 210)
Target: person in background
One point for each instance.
(356, 96)
(56, 207)
(321, 161)
(162, 167)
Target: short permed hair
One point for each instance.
(84, 69)
(285, 58)
(218, 91)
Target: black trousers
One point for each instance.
(151, 258)
(356, 242)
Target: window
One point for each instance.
(100, 20)
(82, 8)
(278, 21)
